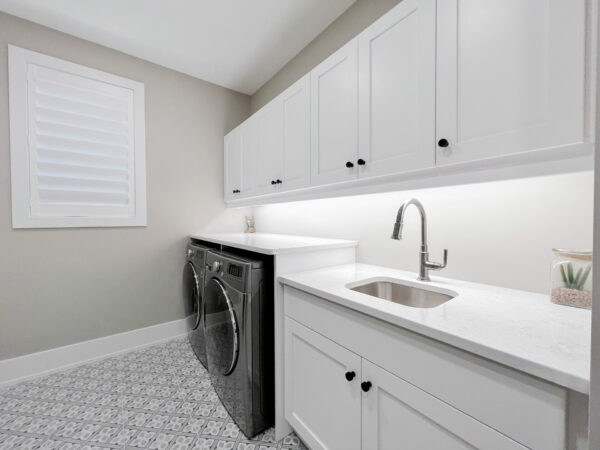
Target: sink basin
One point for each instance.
(403, 294)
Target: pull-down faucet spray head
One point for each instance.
(397, 233)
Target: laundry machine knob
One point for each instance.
(216, 266)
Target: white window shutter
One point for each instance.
(82, 162)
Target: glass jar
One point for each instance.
(571, 277)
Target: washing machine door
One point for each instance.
(221, 328)
(191, 287)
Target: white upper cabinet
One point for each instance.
(432, 83)
(334, 117)
(295, 109)
(397, 90)
(269, 143)
(233, 164)
(510, 77)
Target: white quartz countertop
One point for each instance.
(520, 329)
(272, 244)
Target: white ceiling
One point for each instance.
(239, 44)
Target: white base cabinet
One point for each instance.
(352, 381)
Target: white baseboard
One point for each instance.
(35, 364)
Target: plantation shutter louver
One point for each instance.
(81, 146)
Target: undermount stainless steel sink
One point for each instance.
(403, 294)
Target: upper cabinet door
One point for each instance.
(397, 90)
(249, 141)
(233, 164)
(295, 105)
(269, 128)
(334, 117)
(510, 77)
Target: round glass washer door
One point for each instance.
(191, 286)
(220, 328)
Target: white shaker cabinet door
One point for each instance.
(295, 105)
(397, 415)
(397, 90)
(269, 129)
(321, 404)
(233, 164)
(510, 77)
(249, 141)
(334, 117)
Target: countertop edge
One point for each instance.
(275, 251)
(544, 372)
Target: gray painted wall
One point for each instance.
(63, 286)
(355, 19)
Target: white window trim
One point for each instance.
(18, 59)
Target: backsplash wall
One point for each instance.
(500, 233)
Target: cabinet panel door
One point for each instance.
(295, 103)
(269, 128)
(249, 152)
(232, 164)
(334, 116)
(320, 403)
(510, 76)
(396, 414)
(397, 90)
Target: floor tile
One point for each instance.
(159, 397)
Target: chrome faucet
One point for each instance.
(425, 265)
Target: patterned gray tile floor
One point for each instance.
(159, 397)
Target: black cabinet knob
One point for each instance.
(273, 182)
(365, 386)
(350, 375)
(443, 143)
(349, 164)
(361, 162)
(278, 181)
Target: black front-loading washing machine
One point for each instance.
(240, 338)
(193, 293)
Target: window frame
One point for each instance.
(18, 61)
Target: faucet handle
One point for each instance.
(435, 265)
(445, 258)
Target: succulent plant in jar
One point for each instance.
(571, 281)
